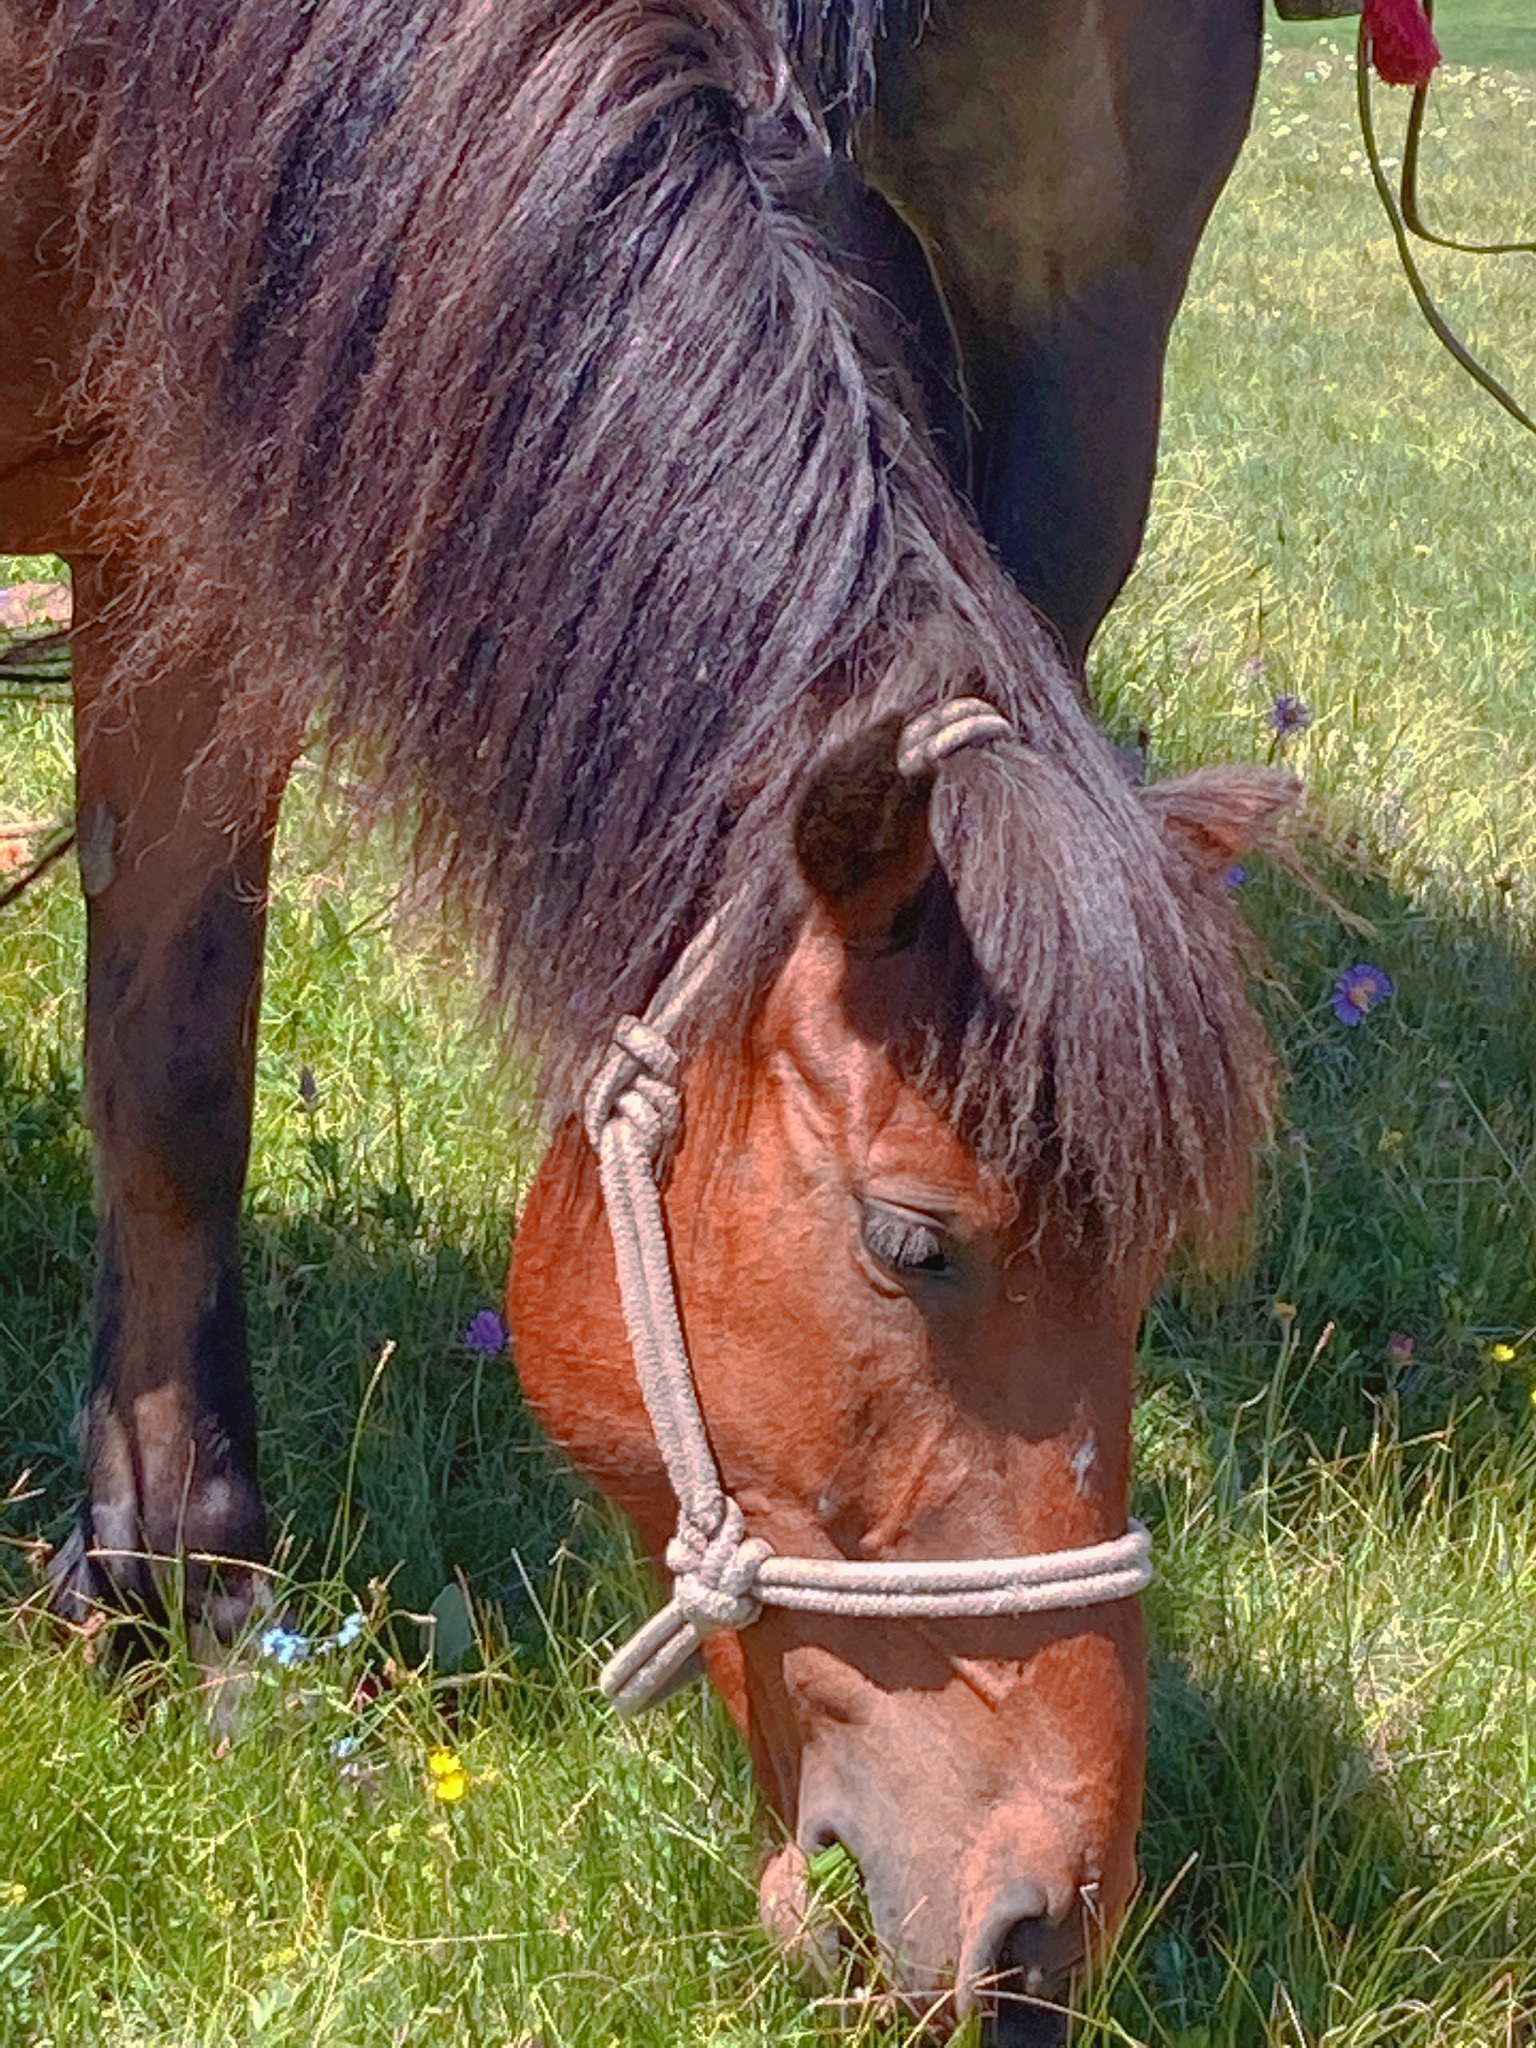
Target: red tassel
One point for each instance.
(1403, 46)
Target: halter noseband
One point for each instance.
(721, 1577)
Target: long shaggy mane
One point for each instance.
(476, 369)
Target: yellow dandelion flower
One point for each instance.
(16, 1895)
(442, 1763)
(1501, 1354)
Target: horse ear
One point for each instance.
(861, 834)
(1216, 815)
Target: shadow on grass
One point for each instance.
(1277, 1846)
(1397, 1211)
(427, 1468)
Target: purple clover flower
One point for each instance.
(1234, 877)
(486, 1333)
(1289, 715)
(1358, 990)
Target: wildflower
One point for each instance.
(1289, 715)
(1284, 1311)
(486, 1333)
(1234, 877)
(345, 1746)
(1358, 990)
(1501, 1354)
(286, 1646)
(16, 1894)
(347, 1634)
(1401, 1346)
(450, 1780)
(308, 1089)
(1255, 668)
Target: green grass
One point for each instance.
(1491, 34)
(1340, 1846)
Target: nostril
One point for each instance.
(1022, 1992)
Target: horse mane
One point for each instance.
(834, 45)
(480, 369)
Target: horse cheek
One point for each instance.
(571, 1345)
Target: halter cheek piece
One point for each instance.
(721, 1577)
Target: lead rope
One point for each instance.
(1404, 219)
(721, 1577)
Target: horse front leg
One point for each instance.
(1060, 162)
(174, 856)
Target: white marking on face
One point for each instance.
(1083, 1460)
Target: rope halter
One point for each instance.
(721, 1576)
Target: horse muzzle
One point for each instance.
(996, 1924)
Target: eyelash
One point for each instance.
(905, 1245)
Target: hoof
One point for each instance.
(75, 1592)
(221, 1599)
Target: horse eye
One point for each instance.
(905, 1244)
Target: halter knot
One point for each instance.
(637, 1081)
(712, 1576)
(934, 735)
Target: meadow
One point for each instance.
(430, 1831)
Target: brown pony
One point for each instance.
(540, 388)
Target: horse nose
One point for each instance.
(1017, 1968)
(1021, 2005)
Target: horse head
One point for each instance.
(910, 1307)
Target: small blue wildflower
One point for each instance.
(345, 1746)
(347, 1634)
(286, 1646)
(1234, 877)
(1288, 715)
(1358, 990)
(486, 1332)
